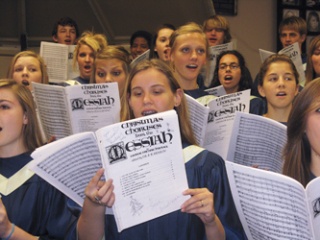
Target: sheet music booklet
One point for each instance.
(72, 109)
(59, 61)
(273, 206)
(257, 141)
(143, 156)
(212, 118)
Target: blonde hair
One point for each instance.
(43, 68)
(95, 41)
(159, 65)
(112, 52)
(190, 27)
(218, 21)
(31, 131)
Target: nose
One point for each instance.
(108, 78)
(146, 98)
(68, 33)
(25, 71)
(87, 58)
(213, 31)
(281, 82)
(139, 49)
(194, 54)
(288, 38)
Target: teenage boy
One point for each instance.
(65, 31)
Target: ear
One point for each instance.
(303, 38)
(25, 119)
(129, 99)
(55, 39)
(297, 90)
(178, 97)
(170, 54)
(261, 91)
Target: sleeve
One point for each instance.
(75, 210)
(258, 106)
(210, 172)
(59, 218)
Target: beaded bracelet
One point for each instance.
(10, 234)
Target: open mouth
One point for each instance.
(87, 67)
(25, 82)
(148, 112)
(228, 78)
(192, 66)
(281, 94)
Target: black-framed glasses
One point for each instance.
(233, 66)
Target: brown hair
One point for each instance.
(310, 73)
(297, 153)
(295, 23)
(273, 59)
(31, 131)
(159, 65)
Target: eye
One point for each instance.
(4, 106)
(222, 66)
(219, 29)
(157, 91)
(82, 55)
(201, 51)
(234, 66)
(101, 74)
(272, 79)
(185, 50)
(318, 110)
(18, 69)
(136, 93)
(116, 73)
(32, 69)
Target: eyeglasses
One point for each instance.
(233, 66)
(216, 29)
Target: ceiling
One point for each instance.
(117, 19)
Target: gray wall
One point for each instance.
(254, 27)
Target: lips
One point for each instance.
(228, 78)
(25, 82)
(87, 67)
(281, 94)
(148, 112)
(192, 66)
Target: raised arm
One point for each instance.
(201, 203)
(99, 194)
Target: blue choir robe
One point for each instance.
(204, 170)
(35, 206)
